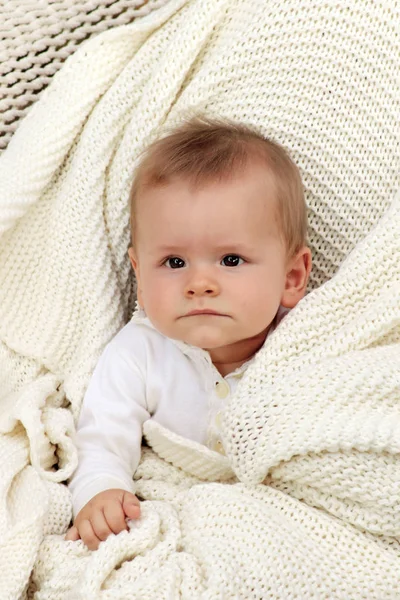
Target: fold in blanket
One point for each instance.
(305, 504)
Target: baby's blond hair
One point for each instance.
(204, 149)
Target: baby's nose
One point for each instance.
(201, 286)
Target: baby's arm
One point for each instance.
(108, 439)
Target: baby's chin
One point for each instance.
(205, 335)
(207, 339)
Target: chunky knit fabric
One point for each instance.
(305, 504)
(37, 37)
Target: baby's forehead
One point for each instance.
(247, 196)
(204, 237)
(234, 208)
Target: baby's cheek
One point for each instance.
(262, 304)
(160, 303)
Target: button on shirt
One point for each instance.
(144, 375)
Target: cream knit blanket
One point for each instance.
(306, 504)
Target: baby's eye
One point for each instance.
(174, 262)
(232, 260)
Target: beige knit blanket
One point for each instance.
(306, 503)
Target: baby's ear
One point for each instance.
(135, 267)
(297, 274)
(132, 257)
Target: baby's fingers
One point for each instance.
(88, 535)
(131, 506)
(115, 517)
(100, 525)
(72, 534)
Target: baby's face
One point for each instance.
(210, 262)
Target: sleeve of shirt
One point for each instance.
(109, 433)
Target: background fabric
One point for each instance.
(37, 36)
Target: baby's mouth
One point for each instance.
(204, 311)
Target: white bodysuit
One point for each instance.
(144, 375)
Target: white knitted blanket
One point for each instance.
(306, 503)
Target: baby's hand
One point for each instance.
(105, 513)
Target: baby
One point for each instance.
(218, 224)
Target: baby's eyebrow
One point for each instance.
(230, 246)
(169, 249)
(219, 248)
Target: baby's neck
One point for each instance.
(228, 358)
(226, 368)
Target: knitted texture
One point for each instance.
(37, 36)
(306, 502)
